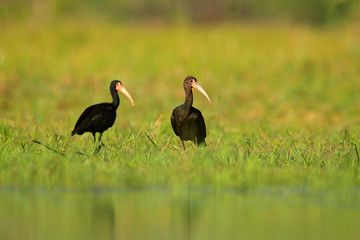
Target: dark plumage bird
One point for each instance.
(100, 117)
(187, 121)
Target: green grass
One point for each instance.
(285, 110)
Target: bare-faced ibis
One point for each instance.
(100, 117)
(187, 121)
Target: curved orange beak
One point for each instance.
(194, 84)
(122, 89)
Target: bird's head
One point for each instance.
(191, 82)
(119, 87)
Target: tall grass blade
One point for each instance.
(38, 121)
(152, 141)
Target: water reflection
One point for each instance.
(159, 214)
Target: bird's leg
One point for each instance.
(182, 144)
(97, 149)
(94, 136)
(100, 140)
(196, 143)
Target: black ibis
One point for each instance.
(187, 121)
(100, 117)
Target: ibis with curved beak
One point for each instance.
(100, 117)
(187, 121)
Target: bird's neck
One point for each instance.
(115, 97)
(188, 98)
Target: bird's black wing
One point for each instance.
(173, 122)
(199, 122)
(81, 119)
(97, 118)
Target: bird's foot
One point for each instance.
(97, 149)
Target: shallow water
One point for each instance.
(162, 214)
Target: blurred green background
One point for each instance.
(314, 12)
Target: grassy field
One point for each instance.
(285, 106)
(284, 119)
